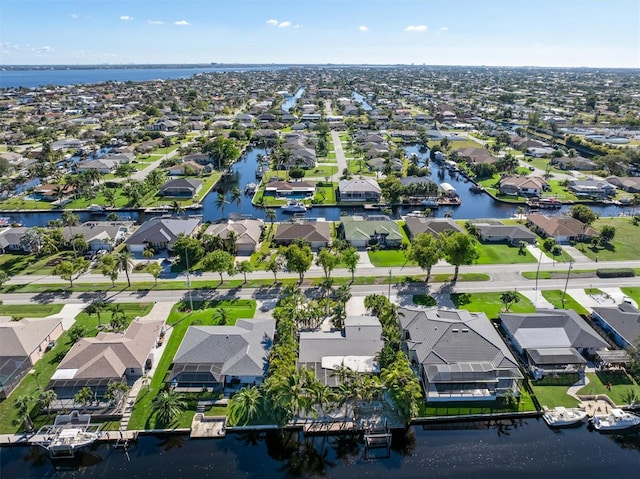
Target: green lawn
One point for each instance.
(20, 203)
(13, 264)
(326, 194)
(321, 171)
(502, 254)
(562, 273)
(554, 296)
(46, 366)
(424, 300)
(624, 245)
(621, 385)
(142, 416)
(552, 392)
(389, 258)
(30, 310)
(489, 303)
(465, 408)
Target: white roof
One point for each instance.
(64, 374)
(533, 338)
(361, 364)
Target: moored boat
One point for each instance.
(69, 434)
(294, 206)
(616, 420)
(562, 417)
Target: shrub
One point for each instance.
(615, 273)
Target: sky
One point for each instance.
(551, 33)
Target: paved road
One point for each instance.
(340, 157)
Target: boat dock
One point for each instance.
(208, 426)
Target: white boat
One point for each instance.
(69, 434)
(430, 202)
(560, 416)
(616, 420)
(96, 208)
(294, 206)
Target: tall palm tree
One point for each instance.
(124, 260)
(24, 404)
(176, 208)
(245, 406)
(221, 315)
(236, 195)
(83, 397)
(270, 214)
(70, 219)
(167, 406)
(220, 202)
(46, 399)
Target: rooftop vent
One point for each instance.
(454, 330)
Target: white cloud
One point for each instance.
(181, 23)
(75, 16)
(126, 18)
(297, 26)
(444, 29)
(9, 48)
(155, 22)
(363, 28)
(416, 28)
(275, 23)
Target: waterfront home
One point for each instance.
(459, 355)
(561, 229)
(22, 344)
(592, 188)
(99, 234)
(101, 165)
(621, 322)
(362, 232)
(11, 239)
(380, 164)
(181, 188)
(108, 357)
(359, 189)
(539, 152)
(434, 226)
(49, 192)
(523, 185)
(164, 124)
(355, 347)
(551, 342)
(290, 189)
(162, 233)
(247, 233)
(630, 184)
(476, 156)
(499, 233)
(219, 357)
(317, 233)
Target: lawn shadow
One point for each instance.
(616, 378)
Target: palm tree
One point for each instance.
(236, 195)
(176, 208)
(232, 237)
(221, 315)
(46, 399)
(167, 406)
(270, 214)
(70, 219)
(245, 406)
(83, 397)
(23, 404)
(124, 261)
(220, 202)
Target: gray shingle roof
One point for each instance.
(163, 230)
(624, 319)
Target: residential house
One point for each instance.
(563, 229)
(102, 165)
(621, 322)
(512, 234)
(22, 344)
(553, 341)
(99, 234)
(10, 239)
(164, 124)
(477, 156)
(380, 164)
(523, 185)
(109, 357)
(539, 151)
(317, 233)
(287, 189)
(218, 357)
(355, 347)
(359, 189)
(459, 355)
(630, 184)
(433, 226)
(362, 232)
(247, 233)
(181, 188)
(49, 192)
(577, 163)
(186, 168)
(162, 233)
(592, 188)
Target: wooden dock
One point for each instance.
(328, 427)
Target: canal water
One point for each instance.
(521, 448)
(290, 100)
(243, 172)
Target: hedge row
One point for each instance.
(615, 273)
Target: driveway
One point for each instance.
(341, 159)
(364, 261)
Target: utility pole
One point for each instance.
(564, 293)
(389, 294)
(537, 273)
